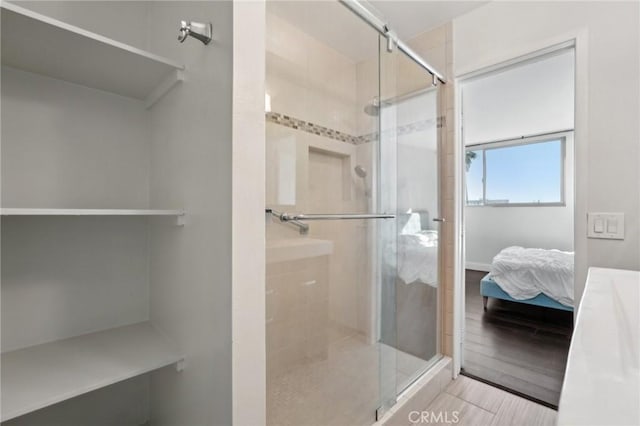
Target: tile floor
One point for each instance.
(343, 389)
(478, 404)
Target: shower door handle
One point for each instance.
(439, 219)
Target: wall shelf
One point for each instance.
(89, 212)
(42, 45)
(42, 375)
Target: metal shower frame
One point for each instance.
(360, 9)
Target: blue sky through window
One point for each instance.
(530, 173)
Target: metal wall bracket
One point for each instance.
(390, 44)
(392, 39)
(181, 220)
(303, 227)
(197, 30)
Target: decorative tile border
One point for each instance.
(316, 129)
(305, 126)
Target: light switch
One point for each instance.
(598, 226)
(605, 225)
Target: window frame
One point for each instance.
(547, 137)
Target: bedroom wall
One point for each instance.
(607, 104)
(490, 229)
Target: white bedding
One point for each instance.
(417, 257)
(526, 272)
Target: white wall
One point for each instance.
(607, 103)
(190, 268)
(489, 229)
(248, 225)
(67, 160)
(528, 98)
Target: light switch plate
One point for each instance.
(607, 225)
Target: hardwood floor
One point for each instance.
(520, 347)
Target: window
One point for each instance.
(516, 173)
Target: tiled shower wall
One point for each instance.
(312, 123)
(307, 80)
(296, 313)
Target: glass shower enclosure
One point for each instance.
(352, 140)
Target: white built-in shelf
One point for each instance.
(42, 45)
(89, 212)
(42, 375)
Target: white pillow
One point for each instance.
(413, 225)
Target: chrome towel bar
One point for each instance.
(295, 219)
(286, 217)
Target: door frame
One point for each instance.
(579, 41)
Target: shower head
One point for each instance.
(373, 108)
(360, 171)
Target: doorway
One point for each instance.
(517, 123)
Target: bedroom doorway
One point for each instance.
(517, 136)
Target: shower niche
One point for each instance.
(295, 159)
(114, 236)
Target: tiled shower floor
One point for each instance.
(340, 390)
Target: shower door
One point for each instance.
(322, 314)
(351, 186)
(408, 254)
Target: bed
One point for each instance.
(410, 274)
(531, 276)
(489, 288)
(416, 250)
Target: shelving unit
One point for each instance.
(46, 46)
(42, 375)
(80, 130)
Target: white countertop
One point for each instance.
(602, 380)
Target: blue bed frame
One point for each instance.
(489, 288)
